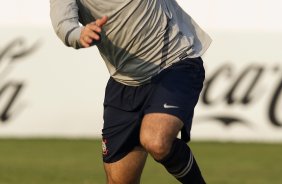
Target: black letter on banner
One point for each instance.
(273, 105)
(4, 115)
(246, 99)
(209, 83)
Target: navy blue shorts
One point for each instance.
(173, 91)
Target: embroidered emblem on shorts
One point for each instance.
(104, 147)
(166, 106)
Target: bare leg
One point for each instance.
(127, 170)
(158, 136)
(158, 131)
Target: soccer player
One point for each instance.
(152, 50)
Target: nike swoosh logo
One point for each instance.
(170, 106)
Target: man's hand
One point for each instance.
(91, 32)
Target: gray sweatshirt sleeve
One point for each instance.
(64, 18)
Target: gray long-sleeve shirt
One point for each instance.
(140, 38)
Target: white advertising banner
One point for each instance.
(49, 90)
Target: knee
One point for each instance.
(157, 147)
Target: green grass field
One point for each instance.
(38, 161)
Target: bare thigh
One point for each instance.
(127, 170)
(158, 131)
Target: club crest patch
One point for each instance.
(104, 147)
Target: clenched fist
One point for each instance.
(91, 32)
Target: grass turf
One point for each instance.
(39, 161)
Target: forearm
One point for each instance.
(64, 18)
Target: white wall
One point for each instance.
(63, 89)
